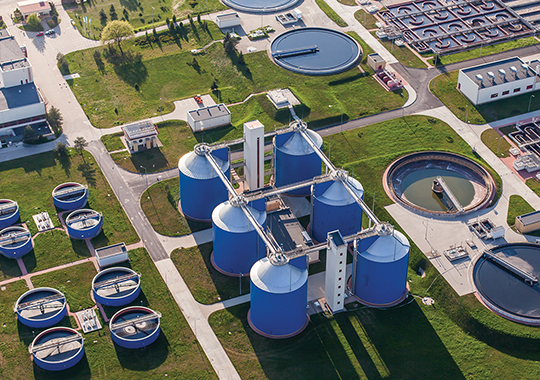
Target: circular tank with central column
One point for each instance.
(381, 268)
(57, 349)
(237, 245)
(278, 299)
(201, 189)
(334, 208)
(135, 327)
(295, 160)
(9, 212)
(15, 242)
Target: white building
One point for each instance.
(39, 7)
(228, 20)
(503, 79)
(140, 136)
(209, 117)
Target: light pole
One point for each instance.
(145, 176)
(530, 100)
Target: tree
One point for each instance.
(229, 43)
(29, 135)
(55, 119)
(61, 149)
(34, 22)
(199, 18)
(112, 13)
(214, 86)
(117, 31)
(241, 59)
(80, 144)
(102, 15)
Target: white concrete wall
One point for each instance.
(14, 77)
(22, 113)
(254, 154)
(209, 123)
(468, 87)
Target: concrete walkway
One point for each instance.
(170, 243)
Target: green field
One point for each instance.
(402, 53)
(496, 142)
(517, 206)
(365, 18)
(332, 15)
(175, 354)
(124, 89)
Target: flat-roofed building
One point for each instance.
(209, 117)
(528, 222)
(140, 135)
(376, 62)
(228, 20)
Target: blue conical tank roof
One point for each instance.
(230, 218)
(296, 145)
(277, 278)
(388, 248)
(337, 194)
(197, 166)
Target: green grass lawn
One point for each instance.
(444, 87)
(112, 142)
(175, 354)
(53, 248)
(365, 18)
(332, 15)
(403, 54)
(109, 95)
(205, 283)
(348, 2)
(496, 142)
(159, 204)
(30, 182)
(8, 268)
(139, 13)
(517, 206)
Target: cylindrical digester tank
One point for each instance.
(41, 307)
(9, 212)
(84, 224)
(295, 160)
(278, 299)
(201, 189)
(335, 209)
(15, 242)
(135, 327)
(237, 246)
(70, 196)
(381, 270)
(117, 286)
(57, 348)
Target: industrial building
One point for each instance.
(498, 80)
(528, 222)
(228, 20)
(209, 117)
(141, 135)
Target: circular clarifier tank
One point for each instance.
(135, 327)
(15, 242)
(506, 279)
(315, 51)
(415, 182)
(41, 307)
(57, 348)
(9, 212)
(260, 6)
(84, 224)
(116, 286)
(70, 196)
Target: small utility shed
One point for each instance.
(113, 254)
(376, 62)
(528, 222)
(228, 20)
(209, 117)
(141, 135)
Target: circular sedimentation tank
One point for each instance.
(70, 196)
(278, 299)
(506, 280)
(295, 160)
(84, 224)
(237, 246)
(57, 348)
(15, 242)
(260, 6)
(9, 212)
(410, 181)
(41, 307)
(201, 189)
(315, 51)
(135, 327)
(117, 286)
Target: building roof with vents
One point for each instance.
(495, 73)
(140, 129)
(209, 112)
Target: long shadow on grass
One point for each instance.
(151, 158)
(9, 267)
(31, 164)
(146, 358)
(30, 261)
(128, 66)
(88, 172)
(80, 371)
(214, 135)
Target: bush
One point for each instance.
(63, 64)
(61, 150)
(34, 22)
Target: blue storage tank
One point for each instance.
(295, 160)
(70, 196)
(15, 242)
(278, 299)
(135, 327)
(41, 307)
(84, 224)
(381, 269)
(201, 190)
(333, 208)
(57, 348)
(117, 286)
(9, 212)
(237, 246)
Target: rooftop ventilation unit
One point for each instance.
(502, 73)
(480, 79)
(513, 69)
(525, 68)
(491, 76)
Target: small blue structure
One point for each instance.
(201, 189)
(41, 307)
(278, 299)
(381, 269)
(9, 212)
(117, 286)
(135, 327)
(57, 348)
(237, 246)
(70, 196)
(333, 208)
(295, 160)
(15, 242)
(84, 224)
